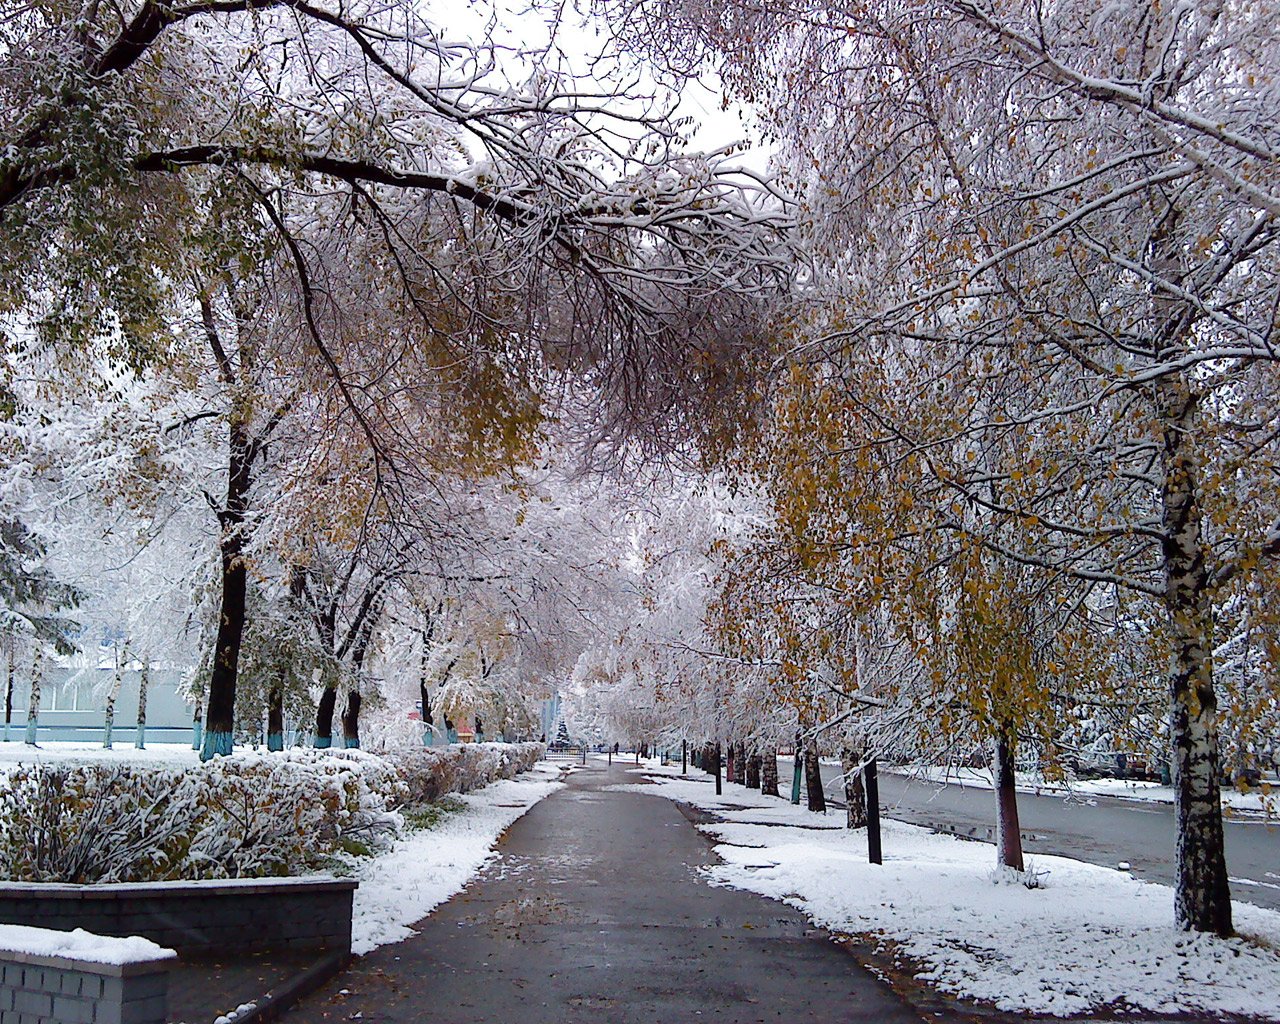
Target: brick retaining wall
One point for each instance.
(225, 916)
(63, 990)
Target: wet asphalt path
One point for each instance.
(595, 912)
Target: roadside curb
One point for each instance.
(274, 1004)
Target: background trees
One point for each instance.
(1064, 220)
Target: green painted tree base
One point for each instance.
(275, 741)
(216, 744)
(351, 744)
(197, 734)
(322, 742)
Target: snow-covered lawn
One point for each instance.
(425, 868)
(1090, 938)
(163, 755)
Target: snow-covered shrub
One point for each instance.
(285, 814)
(430, 772)
(250, 815)
(245, 816)
(89, 823)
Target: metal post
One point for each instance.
(611, 755)
(584, 751)
(717, 769)
(872, 784)
(684, 757)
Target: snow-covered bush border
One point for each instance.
(245, 816)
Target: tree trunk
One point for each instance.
(769, 772)
(730, 767)
(813, 779)
(197, 726)
(424, 694)
(221, 720)
(1008, 831)
(1202, 897)
(753, 769)
(122, 659)
(275, 714)
(351, 720)
(33, 705)
(324, 718)
(741, 758)
(8, 695)
(144, 682)
(715, 767)
(855, 794)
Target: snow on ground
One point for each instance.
(80, 945)
(425, 868)
(1090, 938)
(162, 755)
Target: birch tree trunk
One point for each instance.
(33, 705)
(197, 726)
(1202, 898)
(144, 681)
(1008, 831)
(122, 659)
(855, 793)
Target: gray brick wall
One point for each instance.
(58, 990)
(239, 916)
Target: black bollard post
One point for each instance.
(684, 757)
(872, 783)
(716, 768)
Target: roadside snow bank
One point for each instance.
(1090, 938)
(423, 870)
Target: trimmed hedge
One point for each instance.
(247, 816)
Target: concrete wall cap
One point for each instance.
(202, 887)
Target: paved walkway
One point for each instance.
(595, 912)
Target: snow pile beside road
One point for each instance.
(1090, 938)
(426, 868)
